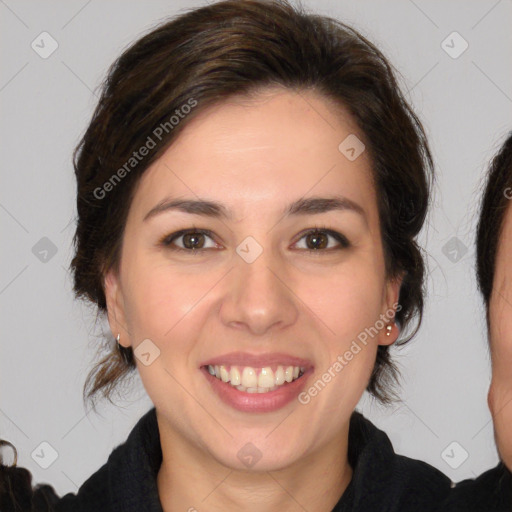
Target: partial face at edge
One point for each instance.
(255, 158)
(500, 319)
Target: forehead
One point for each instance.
(255, 152)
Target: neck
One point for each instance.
(191, 480)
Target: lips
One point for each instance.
(271, 380)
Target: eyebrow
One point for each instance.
(302, 206)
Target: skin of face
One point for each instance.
(500, 338)
(255, 156)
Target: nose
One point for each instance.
(259, 296)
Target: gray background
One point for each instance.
(48, 339)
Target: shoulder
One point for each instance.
(490, 492)
(384, 480)
(18, 495)
(125, 482)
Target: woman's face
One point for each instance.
(258, 294)
(500, 320)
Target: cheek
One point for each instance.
(346, 300)
(500, 316)
(351, 306)
(161, 298)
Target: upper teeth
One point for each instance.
(255, 380)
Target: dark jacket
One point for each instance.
(382, 480)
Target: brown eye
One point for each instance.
(318, 239)
(192, 240)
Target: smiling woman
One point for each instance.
(254, 335)
(265, 242)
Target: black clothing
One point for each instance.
(381, 481)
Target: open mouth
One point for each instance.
(256, 380)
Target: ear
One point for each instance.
(389, 308)
(115, 307)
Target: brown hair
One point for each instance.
(238, 48)
(495, 201)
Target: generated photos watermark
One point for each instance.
(139, 155)
(343, 360)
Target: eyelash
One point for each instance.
(167, 240)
